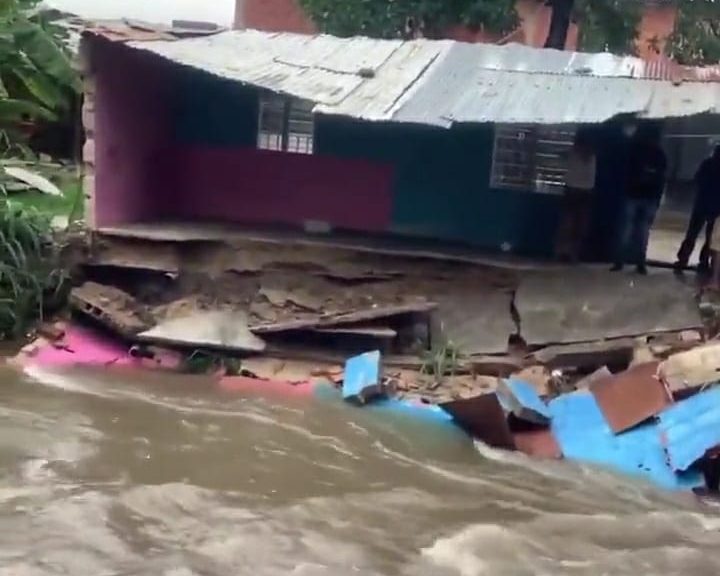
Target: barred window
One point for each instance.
(285, 124)
(532, 158)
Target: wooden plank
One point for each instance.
(382, 332)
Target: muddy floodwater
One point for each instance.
(121, 475)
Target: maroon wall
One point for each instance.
(132, 133)
(259, 186)
(145, 172)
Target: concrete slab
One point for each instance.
(477, 322)
(582, 304)
(221, 330)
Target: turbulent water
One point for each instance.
(105, 475)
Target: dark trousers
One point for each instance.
(698, 220)
(637, 220)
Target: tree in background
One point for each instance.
(610, 25)
(697, 32)
(37, 80)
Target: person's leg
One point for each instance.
(645, 219)
(705, 253)
(697, 220)
(626, 231)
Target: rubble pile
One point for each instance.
(422, 333)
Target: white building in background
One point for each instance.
(219, 12)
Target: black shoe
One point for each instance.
(616, 267)
(642, 270)
(679, 268)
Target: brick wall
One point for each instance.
(272, 15)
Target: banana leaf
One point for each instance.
(13, 110)
(42, 50)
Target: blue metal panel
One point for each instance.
(528, 398)
(690, 428)
(361, 373)
(426, 413)
(584, 435)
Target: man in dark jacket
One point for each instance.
(643, 192)
(706, 209)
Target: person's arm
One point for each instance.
(592, 171)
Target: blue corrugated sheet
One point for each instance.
(690, 428)
(361, 373)
(527, 397)
(426, 413)
(584, 435)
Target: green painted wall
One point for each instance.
(214, 112)
(442, 186)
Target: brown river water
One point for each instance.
(125, 475)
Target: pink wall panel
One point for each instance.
(132, 127)
(256, 186)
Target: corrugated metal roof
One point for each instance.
(445, 82)
(359, 77)
(465, 90)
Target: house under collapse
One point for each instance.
(314, 207)
(384, 147)
(439, 140)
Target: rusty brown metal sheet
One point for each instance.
(484, 418)
(631, 397)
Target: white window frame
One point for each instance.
(285, 124)
(531, 158)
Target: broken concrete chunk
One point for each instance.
(631, 397)
(523, 401)
(686, 372)
(588, 354)
(500, 366)
(220, 330)
(111, 307)
(363, 376)
(642, 355)
(539, 376)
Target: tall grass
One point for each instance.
(30, 275)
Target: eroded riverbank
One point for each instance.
(105, 474)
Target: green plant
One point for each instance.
(442, 360)
(37, 79)
(29, 272)
(206, 362)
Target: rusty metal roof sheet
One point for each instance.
(445, 82)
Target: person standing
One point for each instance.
(706, 208)
(647, 165)
(577, 198)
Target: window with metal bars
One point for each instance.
(532, 158)
(285, 124)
